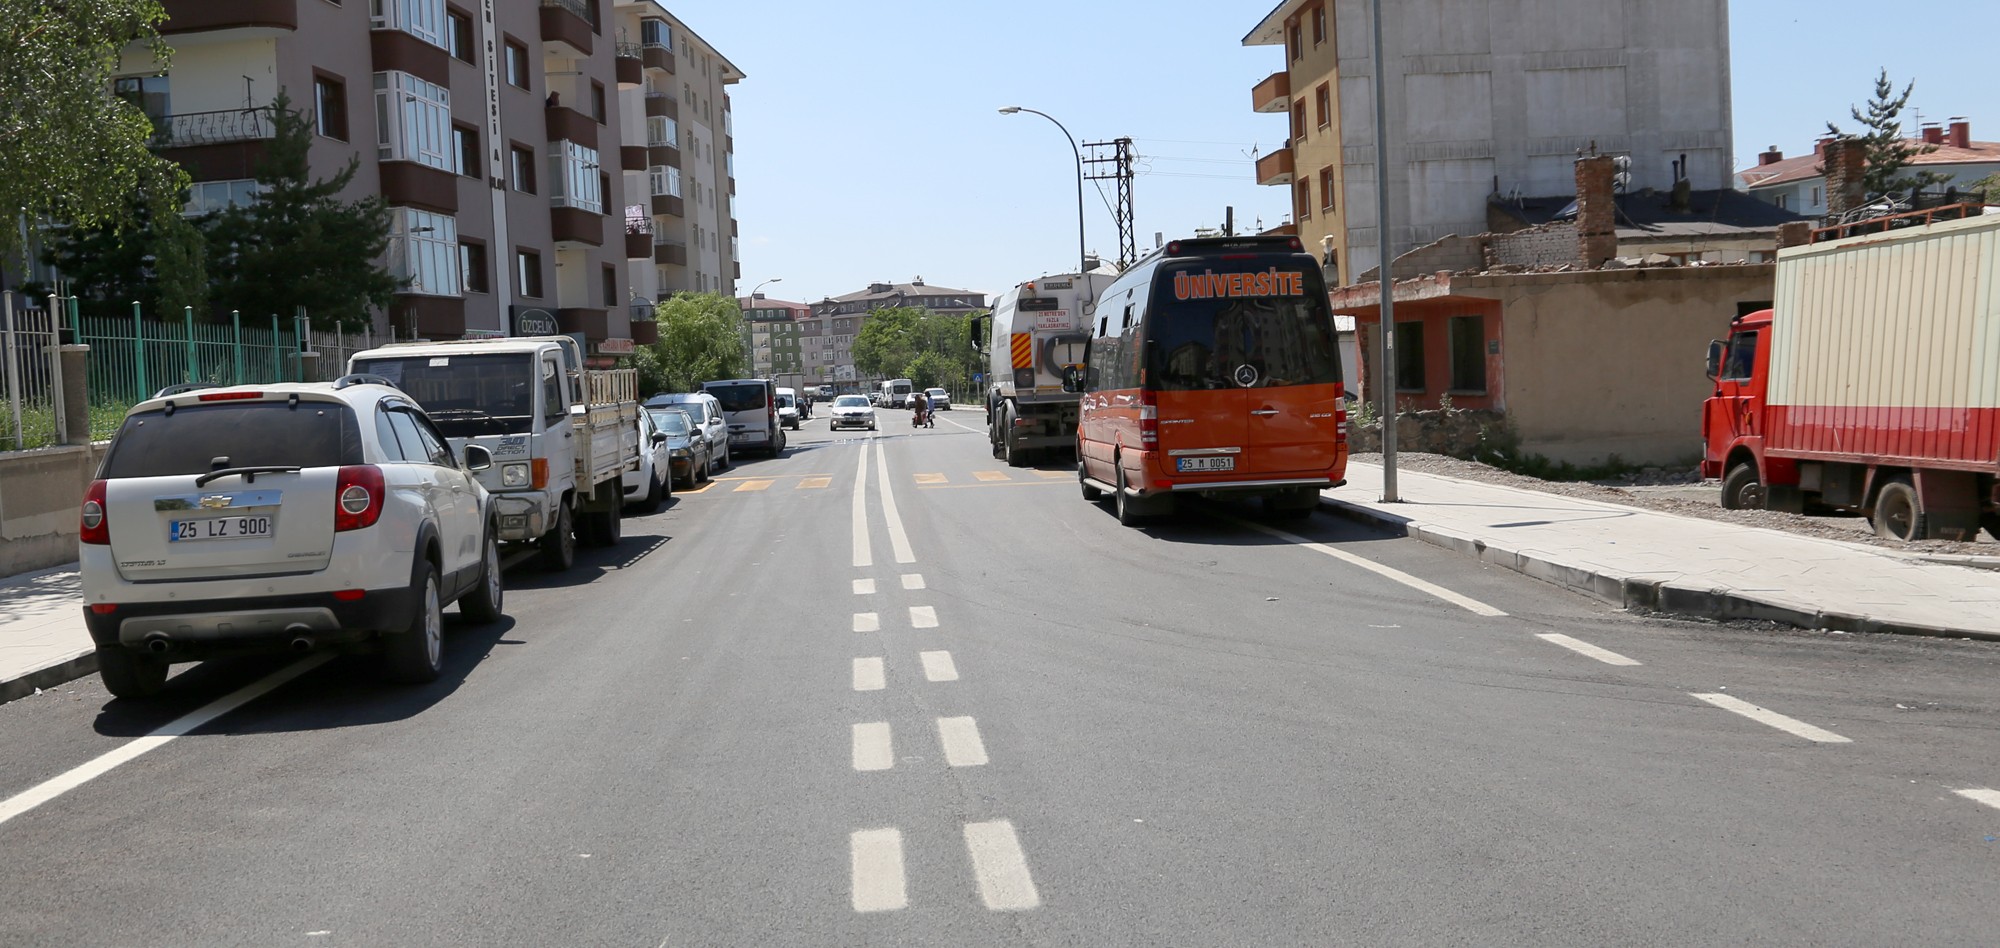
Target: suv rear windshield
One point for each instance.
(1256, 322)
(466, 396)
(201, 438)
(743, 396)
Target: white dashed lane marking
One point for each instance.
(1005, 884)
(962, 746)
(864, 587)
(1581, 647)
(872, 750)
(913, 580)
(875, 870)
(938, 666)
(867, 622)
(1791, 726)
(868, 675)
(1981, 795)
(923, 617)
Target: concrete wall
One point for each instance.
(1609, 362)
(41, 492)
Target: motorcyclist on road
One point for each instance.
(922, 406)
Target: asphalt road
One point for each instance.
(956, 705)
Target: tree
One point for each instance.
(299, 244)
(933, 370)
(1882, 132)
(701, 339)
(1988, 186)
(888, 340)
(69, 150)
(153, 257)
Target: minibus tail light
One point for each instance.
(1149, 419)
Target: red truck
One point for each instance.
(1872, 385)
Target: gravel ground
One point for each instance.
(1683, 502)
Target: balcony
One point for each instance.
(594, 324)
(660, 104)
(432, 317)
(409, 184)
(568, 22)
(666, 156)
(655, 56)
(574, 225)
(630, 65)
(671, 253)
(669, 205)
(1276, 167)
(1274, 94)
(645, 329)
(632, 157)
(568, 125)
(215, 146)
(204, 16)
(639, 243)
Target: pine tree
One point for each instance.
(299, 244)
(149, 255)
(1882, 132)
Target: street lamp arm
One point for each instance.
(1081, 256)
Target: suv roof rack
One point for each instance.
(183, 387)
(361, 378)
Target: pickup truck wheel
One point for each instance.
(559, 544)
(1741, 490)
(1898, 515)
(415, 655)
(651, 502)
(482, 604)
(129, 674)
(610, 527)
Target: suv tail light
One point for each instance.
(96, 525)
(1149, 418)
(358, 495)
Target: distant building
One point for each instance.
(836, 320)
(773, 333)
(1799, 184)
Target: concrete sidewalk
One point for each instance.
(1681, 565)
(42, 638)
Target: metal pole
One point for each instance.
(139, 349)
(1081, 269)
(187, 317)
(13, 365)
(236, 327)
(1385, 346)
(277, 352)
(56, 400)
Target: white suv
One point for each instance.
(288, 516)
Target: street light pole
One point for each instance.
(1385, 346)
(1081, 269)
(754, 289)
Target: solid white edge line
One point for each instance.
(1586, 649)
(898, 539)
(874, 747)
(863, 556)
(960, 739)
(923, 617)
(1467, 603)
(938, 666)
(104, 763)
(956, 424)
(1005, 884)
(1792, 726)
(868, 675)
(1981, 795)
(875, 870)
(867, 622)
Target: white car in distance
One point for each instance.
(852, 411)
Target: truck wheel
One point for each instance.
(558, 546)
(611, 526)
(1741, 490)
(1016, 457)
(128, 674)
(1123, 504)
(1090, 493)
(1898, 515)
(482, 604)
(415, 655)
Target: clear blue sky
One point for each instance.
(868, 146)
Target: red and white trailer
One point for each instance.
(1873, 382)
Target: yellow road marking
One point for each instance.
(992, 475)
(1057, 475)
(1035, 483)
(704, 488)
(755, 485)
(764, 477)
(813, 482)
(930, 478)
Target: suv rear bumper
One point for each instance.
(252, 623)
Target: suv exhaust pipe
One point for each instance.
(159, 644)
(301, 642)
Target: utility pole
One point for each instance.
(1120, 162)
(1385, 346)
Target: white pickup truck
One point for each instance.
(561, 436)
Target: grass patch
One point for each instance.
(38, 425)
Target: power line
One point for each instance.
(1120, 164)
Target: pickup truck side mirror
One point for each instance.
(1717, 349)
(659, 437)
(477, 458)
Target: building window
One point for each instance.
(1299, 121)
(1326, 189)
(610, 286)
(1816, 197)
(423, 250)
(1305, 203)
(1468, 353)
(146, 93)
(528, 274)
(1784, 201)
(597, 102)
(656, 33)
(1410, 357)
(472, 266)
(522, 169)
(423, 19)
(1295, 40)
(661, 130)
(1323, 104)
(573, 179)
(1319, 24)
(517, 65)
(330, 107)
(208, 197)
(465, 149)
(459, 36)
(413, 121)
(666, 181)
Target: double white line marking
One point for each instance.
(878, 882)
(873, 743)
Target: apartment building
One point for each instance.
(837, 319)
(487, 127)
(773, 337)
(1486, 99)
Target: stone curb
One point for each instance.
(1667, 596)
(48, 676)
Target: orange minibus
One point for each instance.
(1213, 369)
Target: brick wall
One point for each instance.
(1846, 163)
(1549, 245)
(1596, 210)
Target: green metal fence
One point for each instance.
(131, 358)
